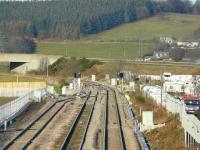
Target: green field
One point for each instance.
(94, 50)
(122, 42)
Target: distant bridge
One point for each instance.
(23, 63)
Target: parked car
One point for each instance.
(192, 104)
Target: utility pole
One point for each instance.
(161, 81)
(47, 67)
(66, 52)
(139, 47)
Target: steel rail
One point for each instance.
(44, 125)
(88, 123)
(105, 128)
(31, 124)
(122, 139)
(74, 124)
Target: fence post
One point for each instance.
(5, 125)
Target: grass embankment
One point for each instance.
(112, 43)
(19, 78)
(65, 68)
(4, 100)
(112, 68)
(171, 136)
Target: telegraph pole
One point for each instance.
(47, 67)
(66, 53)
(161, 81)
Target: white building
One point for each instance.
(179, 87)
(188, 44)
(166, 39)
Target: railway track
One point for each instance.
(117, 128)
(114, 138)
(26, 137)
(77, 134)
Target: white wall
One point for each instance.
(9, 110)
(14, 92)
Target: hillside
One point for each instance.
(72, 19)
(169, 24)
(122, 41)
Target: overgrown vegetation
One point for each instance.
(140, 98)
(68, 67)
(59, 85)
(177, 54)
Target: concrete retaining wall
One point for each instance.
(17, 89)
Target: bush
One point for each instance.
(140, 98)
(177, 54)
(58, 87)
(20, 45)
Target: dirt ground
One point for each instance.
(4, 100)
(22, 121)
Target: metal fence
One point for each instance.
(12, 109)
(190, 123)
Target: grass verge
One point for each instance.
(160, 138)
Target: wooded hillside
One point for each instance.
(73, 18)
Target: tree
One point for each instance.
(20, 45)
(70, 19)
(177, 54)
